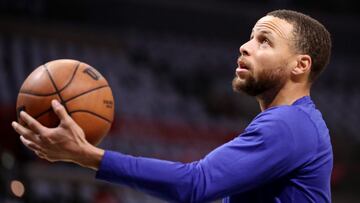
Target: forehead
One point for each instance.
(275, 26)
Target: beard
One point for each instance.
(267, 80)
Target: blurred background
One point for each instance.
(170, 64)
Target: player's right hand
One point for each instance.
(66, 142)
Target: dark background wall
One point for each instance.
(170, 65)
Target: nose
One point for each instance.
(244, 49)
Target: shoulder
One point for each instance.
(283, 112)
(286, 126)
(283, 123)
(280, 115)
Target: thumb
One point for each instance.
(59, 110)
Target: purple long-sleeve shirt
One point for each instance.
(284, 155)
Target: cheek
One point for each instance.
(263, 62)
(269, 60)
(265, 59)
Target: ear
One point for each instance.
(303, 65)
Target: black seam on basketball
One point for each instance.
(49, 109)
(90, 112)
(36, 94)
(53, 93)
(57, 90)
(42, 113)
(72, 77)
(86, 92)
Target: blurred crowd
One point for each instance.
(173, 101)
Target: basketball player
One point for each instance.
(284, 154)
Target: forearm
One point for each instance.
(168, 180)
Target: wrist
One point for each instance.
(91, 157)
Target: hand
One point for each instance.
(64, 143)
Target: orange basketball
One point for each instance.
(82, 90)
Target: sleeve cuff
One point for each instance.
(110, 167)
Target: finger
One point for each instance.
(33, 124)
(25, 132)
(59, 110)
(39, 154)
(20, 129)
(29, 144)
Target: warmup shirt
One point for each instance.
(284, 155)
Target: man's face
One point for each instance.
(265, 59)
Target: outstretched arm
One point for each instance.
(261, 154)
(238, 166)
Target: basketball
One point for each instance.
(80, 88)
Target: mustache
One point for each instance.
(243, 63)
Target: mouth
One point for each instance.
(242, 65)
(242, 68)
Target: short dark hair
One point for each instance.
(310, 36)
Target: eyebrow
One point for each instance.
(265, 32)
(276, 28)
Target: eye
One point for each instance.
(264, 41)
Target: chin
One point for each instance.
(248, 86)
(238, 84)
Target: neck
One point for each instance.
(286, 95)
